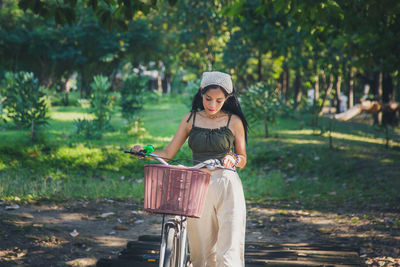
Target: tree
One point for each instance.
(100, 101)
(261, 101)
(132, 98)
(54, 52)
(24, 101)
(110, 13)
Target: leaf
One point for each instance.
(59, 17)
(121, 227)
(72, 3)
(25, 215)
(93, 4)
(25, 4)
(171, 2)
(70, 15)
(74, 233)
(276, 230)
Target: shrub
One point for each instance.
(261, 101)
(190, 90)
(86, 129)
(2, 113)
(25, 102)
(101, 102)
(132, 97)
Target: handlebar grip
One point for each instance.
(141, 153)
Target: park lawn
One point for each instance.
(295, 164)
(300, 166)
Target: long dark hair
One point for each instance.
(231, 104)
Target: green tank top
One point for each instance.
(210, 143)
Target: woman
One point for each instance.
(216, 128)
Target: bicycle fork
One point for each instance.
(180, 251)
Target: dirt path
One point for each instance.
(78, 233)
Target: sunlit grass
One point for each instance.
(294, 164)
(70, 116)
(351, 137)
(82, 187)
(301, 141)
(337, 135)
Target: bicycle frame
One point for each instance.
(178, 223)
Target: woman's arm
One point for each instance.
(177, 141)
(240, 142)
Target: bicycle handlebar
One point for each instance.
(210, 163)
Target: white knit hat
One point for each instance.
(217, 78)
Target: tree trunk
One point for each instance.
(398, 89)
(259, 67)
(338, 86)
(285, 79)
(266, 128)
(316, 89)
(168, 82)
(387, 88)
(33, 131)
(85, 88)
(379, 93)
(297, 88)
(368, 106)
(351, 88)
(388, 117)
(159, 83)
(327, 94)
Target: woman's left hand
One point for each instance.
(229, 161)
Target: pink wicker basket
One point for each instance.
(175, 190)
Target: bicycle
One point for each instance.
(179, 191)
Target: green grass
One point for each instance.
(64, 166)
(299, 165)
(295, 164)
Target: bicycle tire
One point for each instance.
(186, 256)
(170, 247)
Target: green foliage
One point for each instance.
(101, 102)
(24, 101)
(295, 165)
(86, 129)
(2, 113)
(109, 13)
(189, 91)
(261, 101)
(132, 97)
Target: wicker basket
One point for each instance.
(175, 190)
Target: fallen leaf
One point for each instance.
(107, 214)
(12, 207)
(121, 227)
(24, 215)
(74, 233)
(276, 230)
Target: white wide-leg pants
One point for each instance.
(217, 238)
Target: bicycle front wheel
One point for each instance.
(170, 252)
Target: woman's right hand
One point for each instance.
(137, 148)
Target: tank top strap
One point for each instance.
(193, 113)
(229, 119)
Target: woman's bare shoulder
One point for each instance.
(188, 117)
(236, 125)
(236, 121)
